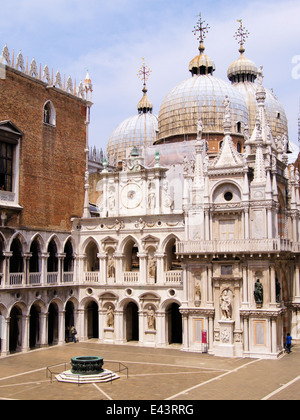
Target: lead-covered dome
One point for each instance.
(139, 130)
(242, 73)
(200, 97)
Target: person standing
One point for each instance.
(73, 333)
(288, 342)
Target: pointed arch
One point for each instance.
(49, 113)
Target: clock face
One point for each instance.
(131, 196)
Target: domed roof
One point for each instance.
(274, 109)
(242, 73)
(200, 96)
(138, 130)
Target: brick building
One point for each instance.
(43, 161)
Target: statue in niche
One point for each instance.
(151, 198)
(197, 292)
(278, 290)
(151, 267)
(225, 305)
(258, 292)
(110, 267)
(110, 317)
(151, 318)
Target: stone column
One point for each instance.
(6, 271)
(81, 324)
(25, 333)
(273, 285)
(246, 334)
(245, 300)
(5, 337)
(102, 268)
(274, 336)
(61, 327)
(160, 272)
(185, 330)
(143, 268)
(43, 329)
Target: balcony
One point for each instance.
(234, 246)
(92, 277)
(131, 277)
(173, 277)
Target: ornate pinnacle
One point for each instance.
(202, 29)
(241, 35)
(144, 74)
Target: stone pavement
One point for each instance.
(153, 375)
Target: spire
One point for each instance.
(241, 35)
(201, 64)
(144, 106)
(88, 86)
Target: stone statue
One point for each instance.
(258, 292)
(225, 305)
(260, 76)
(152, 267)
(226, 104)
(199, 129)
(110, 267)
(278, 290)
(110, 317)
(151, 318)
(197, 291)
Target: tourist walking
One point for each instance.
(288, 343)
(73, 333)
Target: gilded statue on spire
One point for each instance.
(241, 35)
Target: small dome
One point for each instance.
(139, 130)
(145, 105)
(202, 64)
(242, 70)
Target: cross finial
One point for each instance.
(241, 35)
(144, 73)
(202, 29)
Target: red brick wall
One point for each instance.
(52, 159)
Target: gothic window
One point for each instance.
(6, 166)
(10, 138)
(49, 116)
(239, 147)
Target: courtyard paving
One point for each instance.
(167, 375)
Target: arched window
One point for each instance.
(49, 114)
(239, 147)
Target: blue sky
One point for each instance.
(110, 38)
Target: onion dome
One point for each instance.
(137, 131)
(202, 63)
(242, 73)
(200, 97)
(242, 70)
